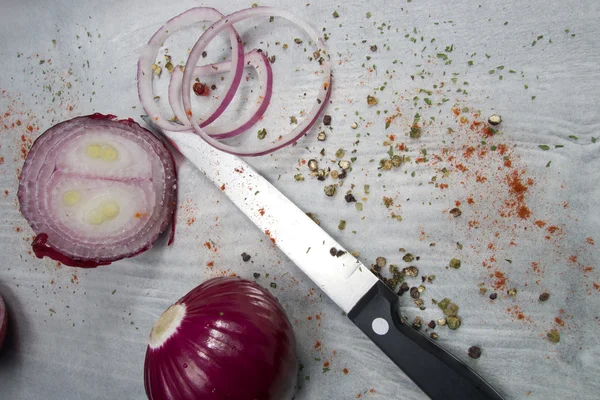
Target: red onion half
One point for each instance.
(226, 339)
(95, 190)
(3, 321)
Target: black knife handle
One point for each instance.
(437, 372)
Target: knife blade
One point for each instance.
(371, 305)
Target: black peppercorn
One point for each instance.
(474, 352)
(403, 288)
(349, 198)
(414, 293)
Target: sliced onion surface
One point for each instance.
(226, 339)
(95, 190)
(3, 321)
(226, 23)
(145, 72)
(256, 59)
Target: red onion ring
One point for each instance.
(226, 23)
(255, 58)
(145, 73)
(95, 190)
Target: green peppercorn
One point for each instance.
(453, 323)
(455, 263)
(408, 258)
(451, 310)
(415, 132)
(330, 190)
(397, 160)
(553, 336)
(417, 323)
(444, 303)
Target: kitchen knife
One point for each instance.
(367, 301)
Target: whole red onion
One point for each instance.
(226, 339)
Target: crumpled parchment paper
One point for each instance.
(81, 334)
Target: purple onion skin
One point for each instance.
(234, 342)
(3, 321)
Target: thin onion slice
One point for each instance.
(226, 339)
(255, 58)
(145, 72)
(226, 23)
(95, 189)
